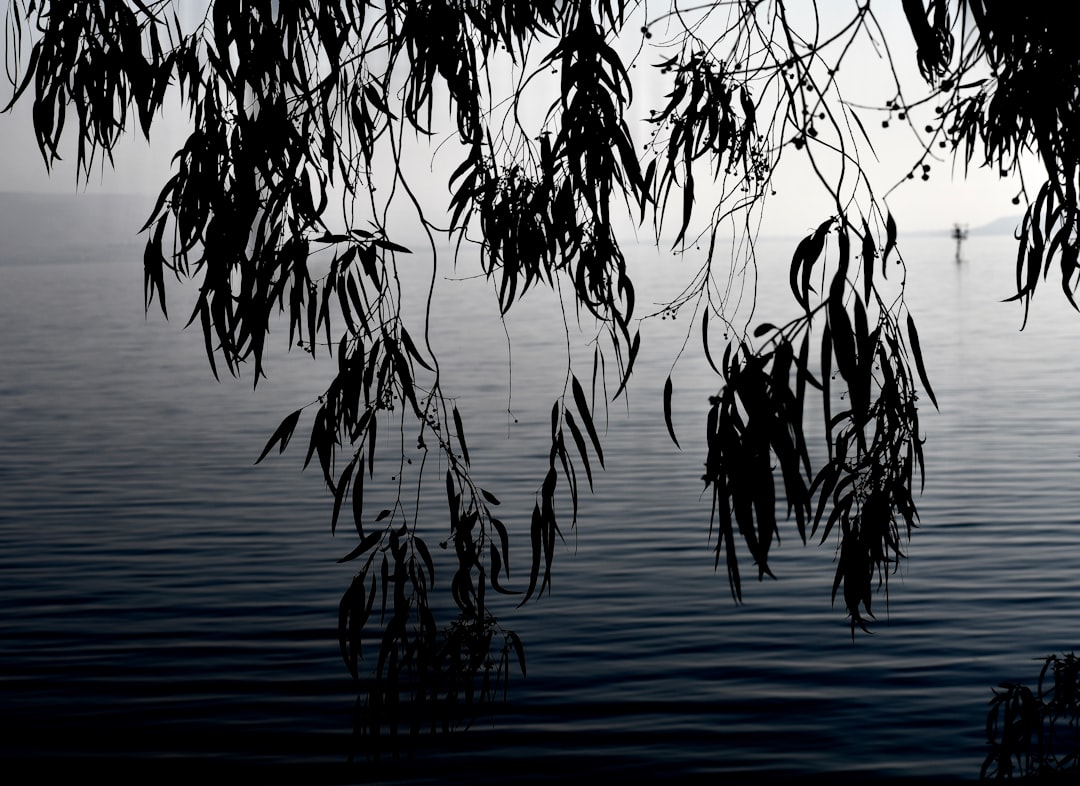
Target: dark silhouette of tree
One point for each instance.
(299, 109)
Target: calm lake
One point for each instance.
(164, 603)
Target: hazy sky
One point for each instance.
(947, 198)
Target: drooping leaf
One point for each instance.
(154, 270)
(705, 340)
(412, 351)
(519, 650)
(353, 611)
(826, 380)
(667, 412)
(497, 566)
(536, 536)
(843, 340)
(358, 499)
(460, 430)
(365, 545)
(281, 435)
(579, 440)
(802, 263)
(586, 418)
(425, 555)
(340, 491)
(869, 254)
(890, 242)
(916, 351)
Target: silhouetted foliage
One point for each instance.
(299, 110)
(1036, 734)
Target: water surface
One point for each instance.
(162, 600)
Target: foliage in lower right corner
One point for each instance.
(1035, 735)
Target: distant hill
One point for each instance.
(1000, 226)
(1006, 225)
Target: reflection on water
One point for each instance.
(160, 597)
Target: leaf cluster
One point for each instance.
(700, 121)
(1035, 734)
(303, 118)
(865, 488)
